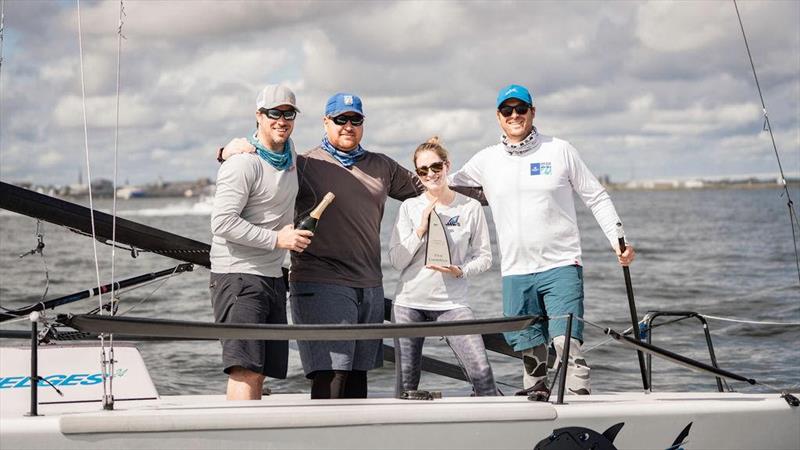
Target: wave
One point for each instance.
(200, 208)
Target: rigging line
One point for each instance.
(2, 34)
(86, 153)
(103, 354)
(40, 248)
(148, 296)
(756, 322)
(116, 153)
(792, 213)
(460, 363)
(114, 202)
(108, 398)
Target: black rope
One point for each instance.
(792, 213)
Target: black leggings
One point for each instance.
(339, 384)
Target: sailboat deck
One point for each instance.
(294, 421)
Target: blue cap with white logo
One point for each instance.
(341, 103)
(514, 91)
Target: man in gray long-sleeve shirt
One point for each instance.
(252, 227)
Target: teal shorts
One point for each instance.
(554, 292)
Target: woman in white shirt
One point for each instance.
(439, 293)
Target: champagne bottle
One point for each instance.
(310, 221)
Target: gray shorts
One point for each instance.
(247, 298)
(323, 303)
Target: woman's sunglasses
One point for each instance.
(276, 114)
(520, 109)
(435, 168)
(356, 119)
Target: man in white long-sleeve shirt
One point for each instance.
(528, 180)
(252, 227)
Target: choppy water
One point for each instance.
(719, 252)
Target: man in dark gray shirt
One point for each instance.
(338, 279)
(252, 229)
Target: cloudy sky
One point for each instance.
(642, 90)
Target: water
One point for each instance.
(720, 252)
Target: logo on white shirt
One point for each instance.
(543, 168)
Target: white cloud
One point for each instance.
(676, 27)
(101, 112)
(642, 103)
(698, 119)
(408, 28)
(51, 158)
(160, 154)
(623, 81)
(417, 126)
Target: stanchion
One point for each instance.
(562, 381)
(34, 365)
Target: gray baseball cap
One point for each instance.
(274, 95)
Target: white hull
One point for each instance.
(652, 421)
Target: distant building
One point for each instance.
(693, 184)
(128, 192)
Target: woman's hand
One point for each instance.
(423, 224)
(450, 270)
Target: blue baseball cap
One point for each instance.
(514, 91)
(341, 103)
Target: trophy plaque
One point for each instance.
(437, 249)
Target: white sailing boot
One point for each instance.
(578, 376)
(534, 374)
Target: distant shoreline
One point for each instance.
(205, 188)
(704, 187)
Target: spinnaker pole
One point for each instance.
(71, 298)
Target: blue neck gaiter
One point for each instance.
(347, 159)
(280, 161)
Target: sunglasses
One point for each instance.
(435, 168)
(276, 114)
(356, 119)
(520, 109)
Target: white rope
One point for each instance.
(755, 322)
(86, 152)
(103, 354)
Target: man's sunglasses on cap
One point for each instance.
(435, 168)
(276, 114)
(520, 109)
(356, 119)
